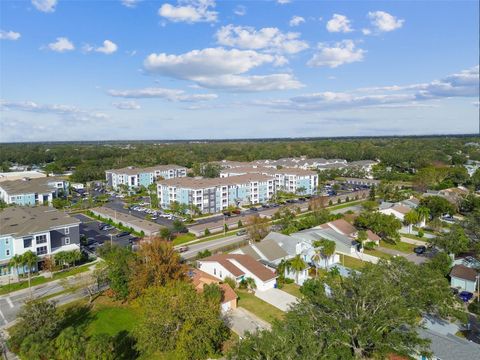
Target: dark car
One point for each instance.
(466, 296)
(265, 206)
(101, 225)
(241, 232)
(227, 213)
(133, 240)
(123, 233)
(419, 250)
(253, 209)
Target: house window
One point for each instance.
(7, 241)
(7, 252)
(42, 250)
(41, 239)
(67, 231)
(67, 241)
(27, 242)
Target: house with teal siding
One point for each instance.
(31, 192)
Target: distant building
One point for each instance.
(43, 230)
(19, 175)
(133, 177)
(214, 195)
(32, 192)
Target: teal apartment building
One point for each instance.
(31, 192)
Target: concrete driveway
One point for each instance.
(417, 259)
(276, 297)
(241, 321)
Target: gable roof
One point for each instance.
(401, 209)
(372, 236)
(463, 272)
(200, 278)
(270, 249)
(343, 226)
(287, 243)
(249, 263)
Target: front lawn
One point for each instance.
(352, 263)
(292, 289)
(112, 320)
(258, 307)
(181, 239)
(399, 246)
(377, 253)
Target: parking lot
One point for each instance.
(90, 228)
(118, 205)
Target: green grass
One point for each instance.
(352, 263)
(258, 307)
(71, 272)
(292, 289)
(181, 239)
(414, 237)
(345, 205)
(111, 320)
(377, 253)
(399, 246)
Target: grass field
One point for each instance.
(352, 263)
(377, 253)
(414, 237)
(292, 289)
(399, 246)
(182, 239)
(259, 307)
(112, 320)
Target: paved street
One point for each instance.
(242, 320)
(194, 249)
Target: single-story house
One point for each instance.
(463, 278)
(397, 210)
(200, 279)
(342, 226)
(239, 267)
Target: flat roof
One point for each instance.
(268, 170)
(18, 175)
(21, 221)
(202, 183)
(133, 170)
(28, 186)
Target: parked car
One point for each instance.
(465, 296)
(101, 225)
(123, 233)
(241, 232)
(265, 206)
(419, 250)
(182, 249)
(90, 241)
(237, 211)
(107, 228)
(253, 209)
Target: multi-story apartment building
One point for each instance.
(32, 191)
(41, 229)
(134, 177)
(214, 195)
(292, 180)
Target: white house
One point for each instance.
(239, 267)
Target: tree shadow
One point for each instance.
(125, 346)
(78, 316)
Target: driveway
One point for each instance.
(241, 321)
(417, 259)
(276, 297)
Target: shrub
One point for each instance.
(339, 201)
(420, 233)
(230, 281)
(207, 232)
(330, 202)
(369, 245)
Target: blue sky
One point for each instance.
(129, 69)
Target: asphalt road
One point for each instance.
(194, 249)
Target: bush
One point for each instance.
(420, 233)
(339, 201)
(330, 202)
(474, 307)
(207, 232)
(230, 281)
(347, 199)
(369, 245)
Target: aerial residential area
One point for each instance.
(241, 180)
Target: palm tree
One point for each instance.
(328, 249)
(423, 213)
(316, 258)
(297, 264)
(30, 259)
(16, 262)
(411, 218)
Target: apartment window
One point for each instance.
(214, 271)
(7, 241)
(42, 250)
(41, 239)
(67, 231)
(67, 241)
(27, 242)
(7, 252)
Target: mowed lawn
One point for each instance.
(112, 320)
(259, 307)
(292, 289)
(352, 263)
(399, 246)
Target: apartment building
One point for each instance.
(30, 192)
(214, 195)
(43, 230)
(294, 180)
(134, 177)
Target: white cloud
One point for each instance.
(61, 45)
(384, 22)
(127, 105)
(340, 53)
(464, 84)
(283, 2)
(240, 10)
(9, 35)
(189, 11)
(67, 112)
(219, 68)
(163, 93)
(269, 39)
(130, 3)
(108, 47)
(366, 31)
(296, 20)
(47, 6)
(339, 23)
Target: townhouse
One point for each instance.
(214, 195)
(134, 177)
(292, 180)
(30, 192)
(43, 230)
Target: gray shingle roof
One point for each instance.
(287, 243)
(271, 249)
(449, 347)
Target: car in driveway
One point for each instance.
(465, 296)
(419, 250)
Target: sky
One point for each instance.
(206, 69)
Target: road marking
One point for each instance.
(9, 301)
(3, 317)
